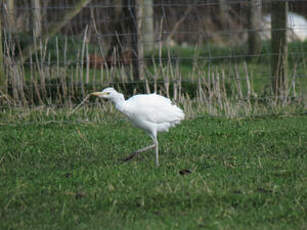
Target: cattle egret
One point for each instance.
(151, 112)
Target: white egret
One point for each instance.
(151, 112)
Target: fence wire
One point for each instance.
(55, 50)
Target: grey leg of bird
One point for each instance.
(139, 151)
(157, 152)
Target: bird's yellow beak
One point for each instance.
(97, 94)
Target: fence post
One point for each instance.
(140, 28)
(253, 21)
(11, 20)
(279, 50)
(36, 18)
(148, 25)
(135, 8)
(2, 75)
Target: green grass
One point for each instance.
(246, 173)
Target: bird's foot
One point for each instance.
(139, 151)
(130, 157)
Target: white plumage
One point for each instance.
(151, 112)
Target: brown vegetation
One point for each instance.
(97, 61)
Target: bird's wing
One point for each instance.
(154, 108)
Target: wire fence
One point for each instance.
(55, 52)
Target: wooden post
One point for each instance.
(135, 12)
(11, 16)
(223, 13)
(36, 18)
(140, 34)
(148, 25)
(280, 50)
(253, 20)
(2, 75)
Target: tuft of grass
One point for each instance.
(245, 173)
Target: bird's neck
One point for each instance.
(119, 102)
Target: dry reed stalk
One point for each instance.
(65, 52)
(32, 79)
(38, 94)
(187, 105)
(155, 70)
(293, 82)
(57, 72)
(211, 95)
(180, 89)
(21, 84)
(63, 78)
(195, 66)
(205, 87)
(18, 85)
(226, 104)
(175, 90)
(108, 75)
(64, 85)
(155, 85)
(238, 82)
(94, 78)
(71, 84)
(218, 89)
(131, 74)
(60, 75)
(147, 86)
(12, 77)
(134, 91)
(87, 79)
(40, 59)
(102, 72)
(123, 74)
(248, 84)
(209, 88)
(13, 72)
(160, 44)
(177, 83)
(223, 85)
(166, 84)
(82, 60)
(49, 71)
(34, 82)
(199, 90)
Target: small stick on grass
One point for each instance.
(78, 106)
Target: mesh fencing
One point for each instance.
(56, 52)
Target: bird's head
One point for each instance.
(108, 93)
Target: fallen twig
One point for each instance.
(78, 106)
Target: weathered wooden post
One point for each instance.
(280, 50)
(135, 8)
(2, 75)
(253, 21)
(148, 25)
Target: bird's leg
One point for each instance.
(139, 151)
(157, 151)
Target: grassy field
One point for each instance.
(245, 173)
(64, 170)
